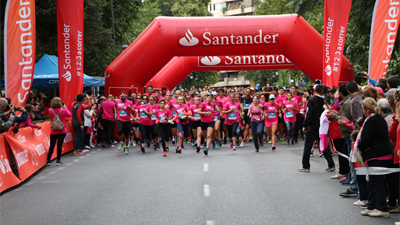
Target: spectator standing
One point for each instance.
(78, 124)
(108, 107)
(5, 122)
(57, 136)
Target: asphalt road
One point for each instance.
(244, 187)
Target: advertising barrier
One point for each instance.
(29, 148)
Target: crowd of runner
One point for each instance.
(359, 124)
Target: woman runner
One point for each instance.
(272, 111)
(256, 116)
(289, 108)
(154, 108)
(163, 115)
(232, 110)
(145, 124)
(182, 121)
(207, 109)
(196, 123)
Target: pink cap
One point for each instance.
(380, 91)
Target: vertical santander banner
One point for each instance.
(19, 49)
(70, 48)
(335, 28)
(384, 27)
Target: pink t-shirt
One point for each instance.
(163, 115)
(280, 99)
(194, 110)
(207, 107)
(181, 110)
(64, 113)
(220, 105)
(143, 117)
(271, 112)
(154, 109)
(155, 96)
(190, 103)
(290, 114)
(298, 100)
(233, 116)
(303, 109)
(256, 114)
(108, 110)
(172, 105)
(123, 110)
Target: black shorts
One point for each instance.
(204, 126)
(135, 126)
(280, 120)
(246, 120)
(196, 124)
(173, 125)
(124, 127)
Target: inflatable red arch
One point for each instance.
(180, 67)
(167, 37)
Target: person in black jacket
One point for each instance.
(376, 151)
(315, 107)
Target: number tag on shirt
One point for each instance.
(289, 114)
(271, 115)
(153, 117)
(174, 113)
(216, 118)
(163, 119)
(246, 106)
(197, 116)
(122, 113)
(232, 116)
(143, 115)
(256, 117)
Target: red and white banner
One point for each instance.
(335, 28)
(7, 177)
(19, 49)
(70, 48)
(384, 27)
(243, 60)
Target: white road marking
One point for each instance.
(205, 169)
(94, 152)
(61, 168)
(82, 157)
(89, 154)
(68, 164)
(206, 190)
(41, 178)
(76, 160)
(210, 222)
(52, 173)
(48, 182)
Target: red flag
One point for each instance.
(19, 49)
(384, 27)
(335, 29)
(70, 48)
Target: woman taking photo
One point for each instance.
(289, 109)
(57, 135)
(271, 119)
(374, 145)
(256, 116)
(207, 109)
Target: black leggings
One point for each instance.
(165, 131)
(145, 132)
(59, 138)
(232, 129)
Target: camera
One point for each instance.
(62, 102)
(360, 74)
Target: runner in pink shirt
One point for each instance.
(145, 123)
(221, 97)
(289, 109)
(151, 93)
(182, 121)
(163, 115)
(196, 123)
(217, 119)
(232, 111)
(256, 115)
(123, 107)
(108, 108)
(154, 108)
(207, 109)
(272, 112)
(173, 103)
(280, 98)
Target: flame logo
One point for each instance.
(189, 39)
(328, 70)
(67, 76)
(210, 60)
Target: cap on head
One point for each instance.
(271, 96)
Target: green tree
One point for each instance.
(185, 8)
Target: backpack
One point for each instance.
(57, 123)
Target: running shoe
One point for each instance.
(86, 150)
(87, 147)
(206, 151)
(92, 146)
(194, 144)
(126, 150)
(120, 146)
(155, 147)
(134, 144)
(48, 163)
(173, 141)
(197, 149)
(283, 141)
(273, 147)
(217, 143)
(143, 150)
(112, 146)
(242, 144)
(230, 145)
(204, 143)
(234, 148)
(270, 142)
(250, 138)
(78, 153)
(59, 163)
(179, 150)
(213, 144)
(188, 141)
(164, 154)
(262, 144)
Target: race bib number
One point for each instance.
(174, 113)
(197, 116)
(181, 115)
(246, 106)
(289, 114)
(163, 119)
(143, 115)
(153, 117)
(122, 113)
(271, 115)
(256, 117)
(216, 118)
(232, 116)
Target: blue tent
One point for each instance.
(46, 75)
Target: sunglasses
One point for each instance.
(152, 99)
(138, 98)
(145, 98)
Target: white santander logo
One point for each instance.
(328, 70)
(67, 76)
(189, 40)
(210, 60)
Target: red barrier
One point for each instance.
(180, 67)
(30, 148)
(167, 37)
(7, 177)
